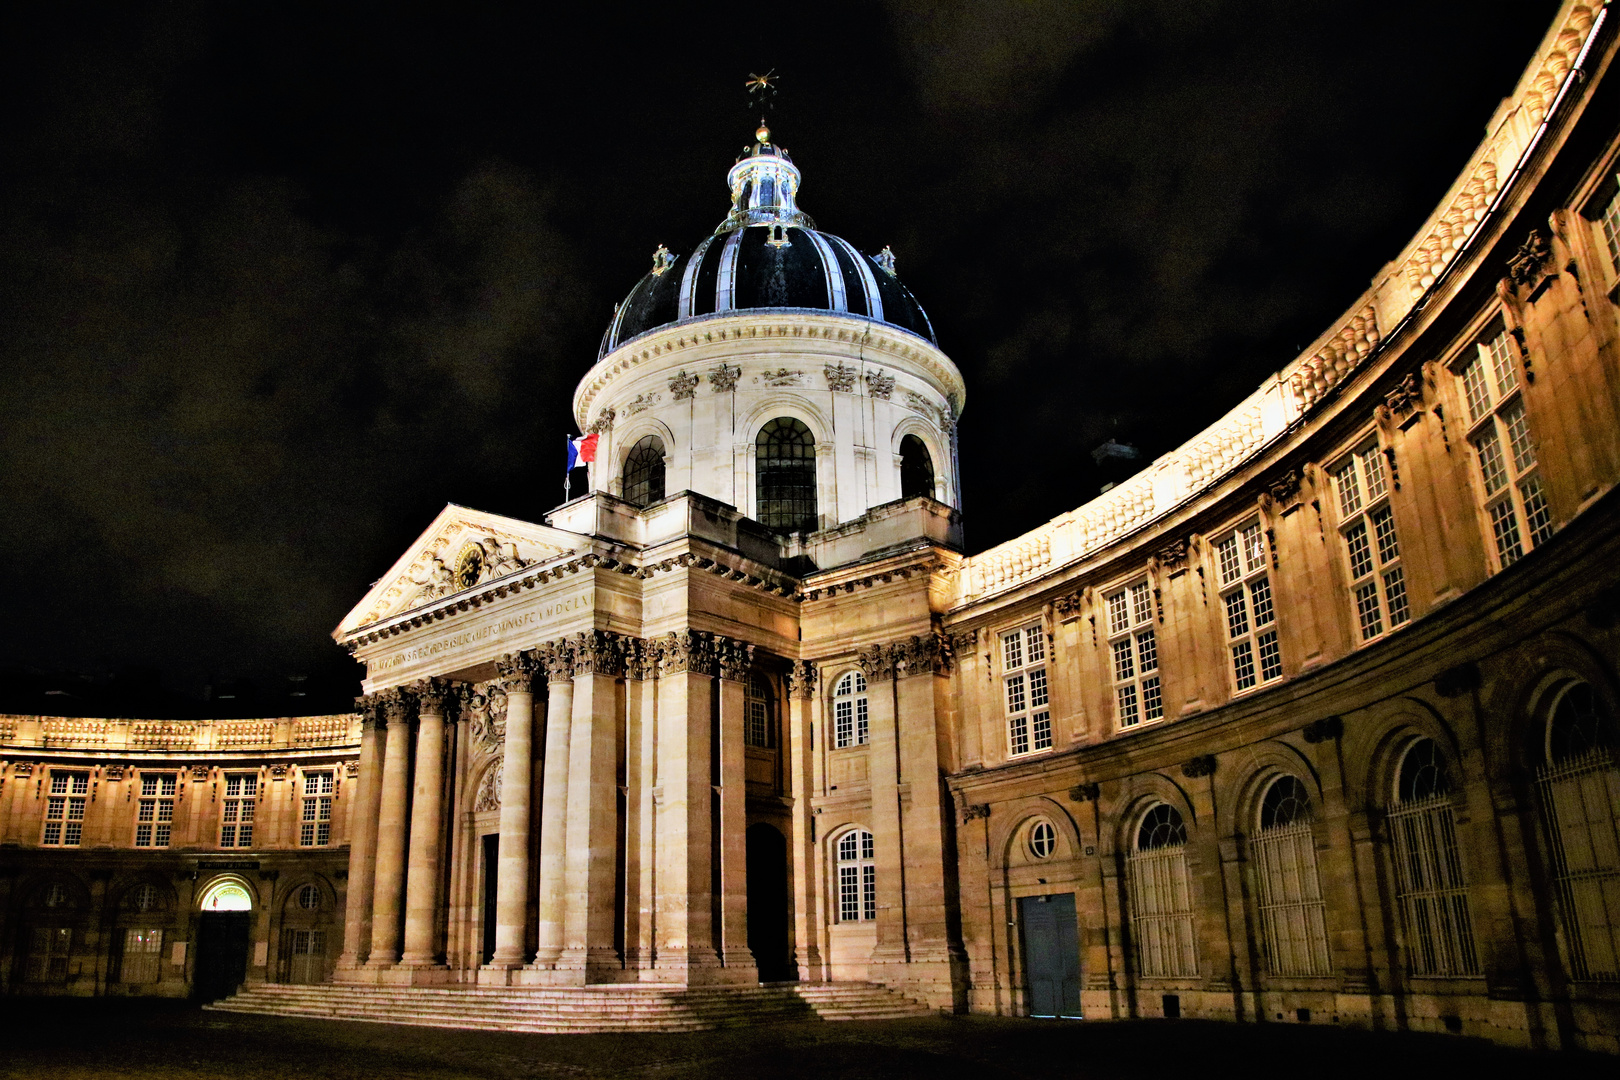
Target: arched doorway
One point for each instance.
(223, 929)
(768, 903)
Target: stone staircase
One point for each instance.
(578, 1009)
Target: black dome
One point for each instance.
(766, 254)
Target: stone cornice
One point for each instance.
(712, 339)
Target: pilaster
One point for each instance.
(592, 844)
(559, 664)
(389, 886)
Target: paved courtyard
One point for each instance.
(68, 1040)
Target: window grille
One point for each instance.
(1042, 839)
(154, 814)
(315, 823)
(1580, 803)
(305, 952)
(64, 808)
(1293, 916)
(1029, 713)
(916, 468)
(1511, 491)
(237, 810)
(309, 897)
(785, 468)
(757, 728)
(850, 727)
(1431, 887)
(857, 877)
(1138, 697)
(1251, 615)
(1367, 526)
(142, 898)
(644, 472)
(142, 960)
(1609, 224)
(48, 953)
(1161, 896)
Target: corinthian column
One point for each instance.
(877, 664)
(517, 760)
(592, 844)
(558, 659)
(363, 839)
(734, 658)
(427, 805)
(390, 879)
(807, 876)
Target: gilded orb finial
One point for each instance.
(763, 134)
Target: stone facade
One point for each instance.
(1313, 719)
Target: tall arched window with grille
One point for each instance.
(785, 471)
(1580, 805)
(1430, 884)
(758, 728)
(850, 726)
(1293, 917)
(916, 468)
(644, 471)
(857, 877)
(1161, 896)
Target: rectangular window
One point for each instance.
(154, 814)
(315, 823)
(143, 956)
(1609, 226)
(1138, 697)
(1372, 550)
(1515, 505)
(1251, 614)
(1029, 714)
(236, 814)
(64, 808)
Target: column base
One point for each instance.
(414, 975)
(498, 975)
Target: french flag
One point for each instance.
(581, 451)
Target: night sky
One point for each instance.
(279, 281)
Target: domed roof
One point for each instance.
(766, 254)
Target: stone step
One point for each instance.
(619, 1007)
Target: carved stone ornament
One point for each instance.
(351, 769)
(1323, 730)
(398, 707)
(517, 671)
(1202, 765)
(1284, 488)
(433, 695)
(975, 811)
(683, 386)
(1084, 793)
(1068, 606)
(801, 680)
(26, 768)
(199, 773)
(111, 774)
(876, 662)
(598, 651)
(489, 789)
(723, 378)
(964, 641)
(926, 654)
(840, 377)
(486, 714)
(879, 385)
(641, 403)
(558, 660)
(733, 657)
(1406, 398)
(1173, 557)
(1526, 265)
(783, 377)
(638, 663)
(603, 422)
(279, 771)
(687, 651)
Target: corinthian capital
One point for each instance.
(395, 706)
(733, 657)
(876, 661)
(598, 652)
(925, 654)
(558, 660)
(689, 650)
(801, 680)
(433, 696)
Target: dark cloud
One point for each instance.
(278, 283)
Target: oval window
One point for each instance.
(1042, 839)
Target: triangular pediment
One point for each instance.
(462, 549)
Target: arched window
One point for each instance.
(644, 472)
(1161, 896)
(850, 726)
(1430, 886)
(916, 468)
(786, 471)
(1580, 805)
(226, 895)
(142, 898)
(1293, 917)
(757, 727)
(857, 877)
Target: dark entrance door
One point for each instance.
(492, 868)
(1051, 954)
(222, 953)
(768, 903)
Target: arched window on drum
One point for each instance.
(857, 877)
(785, 471)
(916, 468)
(1580, 806)
(644, 472)
(850, 726)
(1293, 917)
(1161, 896)
(1430, 884)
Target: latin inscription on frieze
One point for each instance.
(499, 629)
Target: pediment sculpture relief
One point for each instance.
(486, 712)
(448, 566)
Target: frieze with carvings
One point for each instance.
(463, 556)
(783, 377)
(641, 403)
(489, 789)
(723, 378)
(840, 377)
